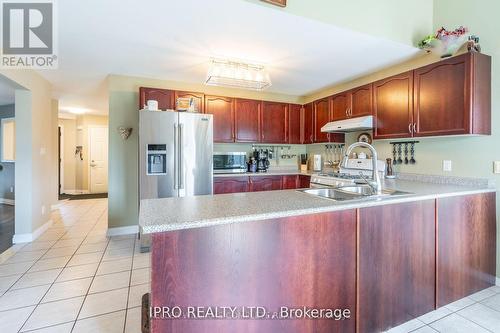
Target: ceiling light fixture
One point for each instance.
(237, 74)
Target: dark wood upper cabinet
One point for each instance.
(247, 117)
(274, 122)
(198, 98)
(466, 246)
(396, 264)
(222, 109)
(393, 106)
(308, 124)
(361, 101)
(164, 97)
(321, 118)
(453, 96)
(294, 124)
(340, 104)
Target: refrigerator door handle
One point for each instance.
(181, 166)
(176, 145)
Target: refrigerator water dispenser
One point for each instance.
(156, 159)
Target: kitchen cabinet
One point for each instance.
(247, 117)
(164, 97)
(453, 96)
(396, 264)
(466, 246)
(304, 181)
(294, 124)
(264, 183)
(198, 99)
(361, 101)
(290, 182)
(222, 109)
(340, 104)
(393, 106)
(321, 118)
(230, 185)
(308, 124)
(274, 122)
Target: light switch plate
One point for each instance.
(447, 165)
(496, 167)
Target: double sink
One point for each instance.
(354, 192)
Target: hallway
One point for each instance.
(74, 278)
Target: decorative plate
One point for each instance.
(365, 137)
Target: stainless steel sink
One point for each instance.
(354, 192)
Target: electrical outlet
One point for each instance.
(496, 167)
(447, 165)
(43, 210)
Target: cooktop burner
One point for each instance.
(339, 175)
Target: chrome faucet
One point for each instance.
(375, 183)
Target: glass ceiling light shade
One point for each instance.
(236, 74)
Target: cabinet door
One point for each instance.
(274, 121)
(396, 263)
(304, 181)
(308, 124)
(290, 182)
(442, 97)
(164, 97)
(321, 118)
(361, 101)
(222, 108)
(230, 184)
(294, 124)
(466, 246)
(393, 107)
(340, 105)
(247, 120)
(265, 183)
(198, 99)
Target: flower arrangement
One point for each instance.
(447, 42)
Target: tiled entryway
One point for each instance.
(74, 278)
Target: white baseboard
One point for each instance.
(75, 192)
(7, 201)
(117, 231)
(498, 281)
(29, 237)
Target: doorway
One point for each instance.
(98, 159)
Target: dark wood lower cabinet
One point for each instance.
(230, 185)
(294, 262)
(304, 181)
(396, 268)
(264, 183)
(466, 246)
(290, 182)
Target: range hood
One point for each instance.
(349, 125)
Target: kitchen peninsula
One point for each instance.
(293, 249)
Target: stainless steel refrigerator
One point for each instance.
(175, 154)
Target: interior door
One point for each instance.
(98, 159)
(195, 154)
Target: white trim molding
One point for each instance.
(29, 237)
(118, 231)
(10, 202)
(498, 281)
(75, 192)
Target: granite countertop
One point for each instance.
(168, 214)
(269, 173)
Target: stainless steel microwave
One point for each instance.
(232, 162)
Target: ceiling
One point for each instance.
(174, 40)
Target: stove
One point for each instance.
(356, 170)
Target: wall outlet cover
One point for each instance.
(43, 210)
(496, 167)
(447, 165)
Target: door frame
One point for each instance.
(60, 148)
(89, 141)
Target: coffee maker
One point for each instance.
(262, 158)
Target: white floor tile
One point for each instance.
(52, 263)
(135, 294)
(142, 260)
(114, 266)
(22, 297)
(483, 294)
(456, 324)
(11, 321)
(37, 245)
(482, 315)
(118, 254)
(493, 302)
(37, 278)
(13, 269)
(407, 327)
(110, 281)
(68, 242)
(435, 315)
(89, 248)
(140, 276)
(108, 323)
(133, 321)
(26, 256)
(86, 258)
(425, 329)
(460, 304)
(7, 281)
(77, 272)
(67, 289)
(60, 252)
(54, 313)
(63, 328)
(109, 301)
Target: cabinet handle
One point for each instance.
(409, 128)
(347, 112)
(414, 127)
(350, 112)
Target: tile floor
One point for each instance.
(74, 278)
